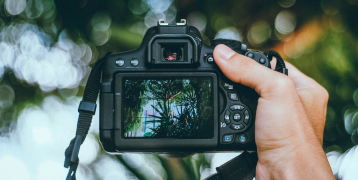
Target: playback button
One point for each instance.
(228, 138)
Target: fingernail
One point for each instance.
(225, 52)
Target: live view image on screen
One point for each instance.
(168, 108)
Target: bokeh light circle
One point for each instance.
(228, 33)
(52, 105)
(355, 136)
(51, 170)
(89, 150)
(100, 37)
(7, 54)
(151, 18)
(15, 7)
(50, 14)
(197, 19)
(285, 22)
(7, 96)
(159, 6)
(134, 160)
(42, 135)
(101, 21)
(348, 121)
(139, 27)
(137, 6)
(258, 33)
(355, 121)
(351, 122)
(331, 7)
(34, 8)
(48, 4)
(13, 168)
(2, 72)
(170, 13)
(286, 3)
(101, 32)
(108, 168)
(355, 97)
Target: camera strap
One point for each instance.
(242, 167)
(280, 64)
(86, 109)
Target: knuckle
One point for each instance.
(282, 83)
(320, 92)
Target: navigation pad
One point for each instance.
(236, 117)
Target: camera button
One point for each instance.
(228, 138)
(242, 138)
(119, 62)
(237, 117)
(247, 117)
(250, 55)
(237, 126)
(236, 107)
(233, 96)
(228, 86)
(210, 59)
(227, 117)
(262, 60)
(134, 62)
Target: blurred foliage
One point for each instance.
(330, 57)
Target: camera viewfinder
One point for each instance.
(172, 53)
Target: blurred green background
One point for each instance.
(48, 46)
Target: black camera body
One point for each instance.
(169, 96)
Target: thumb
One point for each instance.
(241, 69)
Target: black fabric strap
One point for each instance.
(242, 167)
(280, 65)
(86, 110)
(87, 107)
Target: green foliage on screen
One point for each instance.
(184, 106)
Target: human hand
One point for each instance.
(314, 99)
(290, 118)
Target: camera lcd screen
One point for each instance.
(168, 108)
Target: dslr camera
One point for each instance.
(169, 96)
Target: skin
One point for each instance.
(290, 118)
